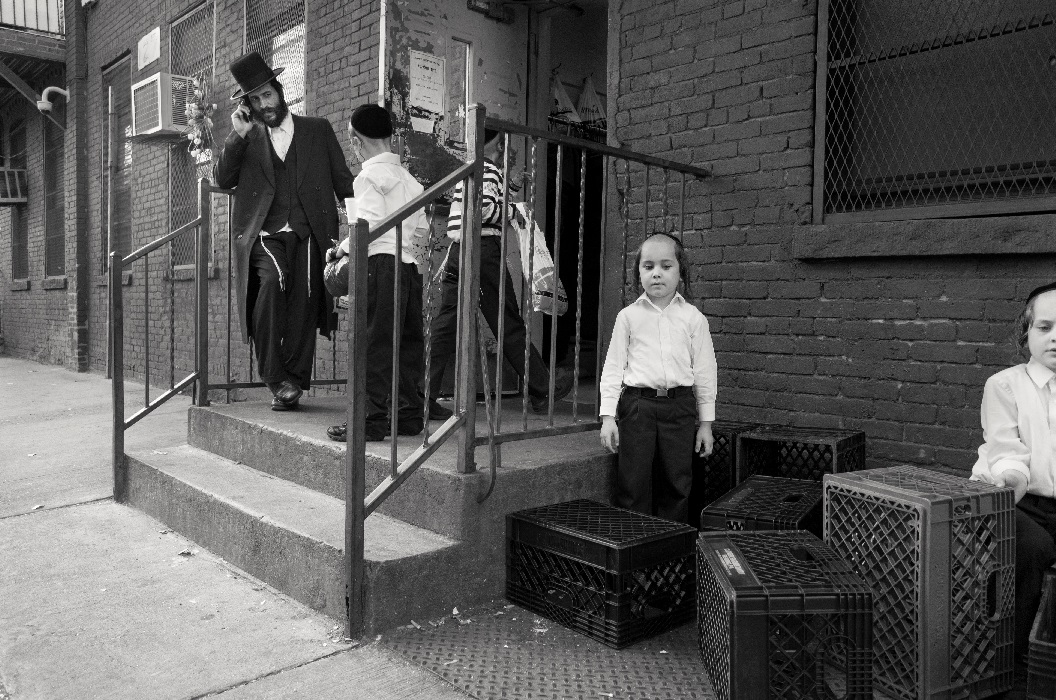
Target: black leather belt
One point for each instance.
(650, 393)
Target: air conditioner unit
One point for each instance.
(159, 104)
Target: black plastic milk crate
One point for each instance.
(615, 575)
(716, 474)
(767, 503)
(1041, 659)
(938, 551)
(799, 453)
(780, 615)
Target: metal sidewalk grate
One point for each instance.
(504, 651)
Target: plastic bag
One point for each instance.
(548, 294)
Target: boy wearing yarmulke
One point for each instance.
(382, 187)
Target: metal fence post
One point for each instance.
(469, 292)
(201, 283)
(117, 355)
(355, 433)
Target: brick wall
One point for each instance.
(898, 347)
(34, 321)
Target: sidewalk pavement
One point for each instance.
(98, 600)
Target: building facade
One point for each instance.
(881, 177)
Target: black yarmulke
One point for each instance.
(372, 121)
(1041, 290)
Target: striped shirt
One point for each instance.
(491, 205)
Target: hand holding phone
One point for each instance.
(241, 119)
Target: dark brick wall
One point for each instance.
(898, 347)
(341, 73)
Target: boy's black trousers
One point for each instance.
(655, 471)
(1035, 552)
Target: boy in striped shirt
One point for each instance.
(443, 328)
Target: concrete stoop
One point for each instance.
(264, 491)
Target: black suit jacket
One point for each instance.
(321, 179)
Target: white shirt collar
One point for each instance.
(286, 125)
(382, 158)
(645, 297)
(1039, 373)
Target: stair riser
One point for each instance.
(307, 570)
(441, 501)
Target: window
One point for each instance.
(192, 55)
(935, 109)
(275, 29)
(54, 194)
(19, 242)
(15, 157)
(116, 209)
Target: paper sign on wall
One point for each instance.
(150, 48)
(427, 82)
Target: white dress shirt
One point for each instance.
(660, 349)
(382, 187)
(282, 136)
(1019, 414)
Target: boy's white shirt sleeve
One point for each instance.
(615, 362)
(1002, 447)
(705, 371)
(368, 204)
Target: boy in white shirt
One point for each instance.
(382, 187)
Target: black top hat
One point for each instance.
(251, 72)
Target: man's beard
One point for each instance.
(272, 117)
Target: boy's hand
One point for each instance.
(610, 434)
(1012, 479)
(705, 442)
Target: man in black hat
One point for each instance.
(288, 172)
(383, 186)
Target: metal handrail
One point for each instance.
(621, 153)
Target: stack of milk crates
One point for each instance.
(779, 614)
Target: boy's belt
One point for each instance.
(650, 393)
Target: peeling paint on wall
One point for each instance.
(433, 141)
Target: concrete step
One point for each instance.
(293, 446)
(292, 537)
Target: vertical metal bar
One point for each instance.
(356, 445)
(146, 330)
(397, 327)
(821, 87)
(526, 290)
(117, 343)
(645, 214)
(427, 291)
(109, 213)
(469, 290)
(496, 415)
(201, 283)
(625, 206)
(682, 210)
(557, 267)
(579, 280)
(600, 347)
(227, 320)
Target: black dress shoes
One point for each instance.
(287, 396)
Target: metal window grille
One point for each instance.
(19, 242)
(935, 109)
(275, 29)
(54, 206)
(192, 49)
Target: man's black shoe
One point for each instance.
(562, 386)
(410, 428)
(287, 393)
(337, 432)
(279, 405)
(438, 412)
